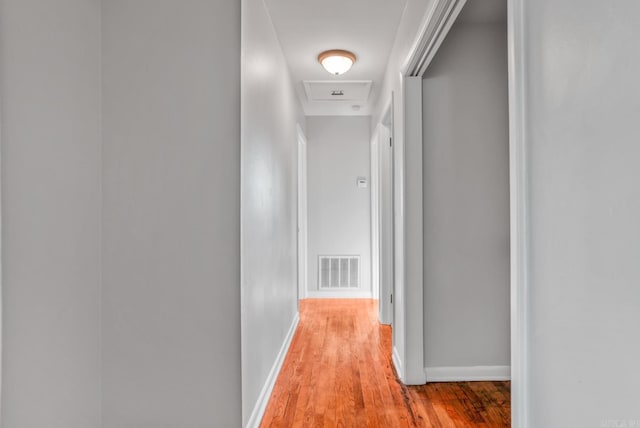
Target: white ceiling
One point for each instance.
(365, 27)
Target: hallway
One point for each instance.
(338, 372)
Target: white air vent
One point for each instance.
(338, 272)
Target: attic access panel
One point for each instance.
(352, 91)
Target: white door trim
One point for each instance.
(412, 223)
(1, 274)
(385, 215)
(518, 179)
(409, 285)
(302, 235)
(374, 148)
(434, 28)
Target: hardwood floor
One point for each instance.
(338, 373)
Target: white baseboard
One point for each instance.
(397, 362)
(267, 388)
(339, 294)
(464, 374)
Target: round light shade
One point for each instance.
(336, 61)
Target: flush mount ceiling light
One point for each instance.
(337, 61)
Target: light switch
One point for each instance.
(362, 182)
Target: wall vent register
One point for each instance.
(339, 272)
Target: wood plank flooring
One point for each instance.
(338, 373)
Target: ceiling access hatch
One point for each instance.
(352, 91)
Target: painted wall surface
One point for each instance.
(339, 211)
(270, 111)
(581, 129)
(466, 200)
(49, 81)
(171, 219)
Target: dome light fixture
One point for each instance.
(337, 61)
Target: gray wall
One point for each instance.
(581, 113)
(171, 213)
(270, 111)
(466, 200)
(49, 81)
(339, 221)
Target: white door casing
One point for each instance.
(302, 234)
(375, 219)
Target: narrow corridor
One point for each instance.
(338, 373)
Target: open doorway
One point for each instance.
(452, 223)
(465, 168)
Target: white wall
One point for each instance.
(339, 211)
(581, 135)
(466, 200)
(171, 213)
(49, 81)
(270, 111)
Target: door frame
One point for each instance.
(384, 281)
(435, 25)
(1, 270)
(374, 149)
(302, 215)
(519, 200)
(408, 344)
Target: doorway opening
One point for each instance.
(466, 209)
